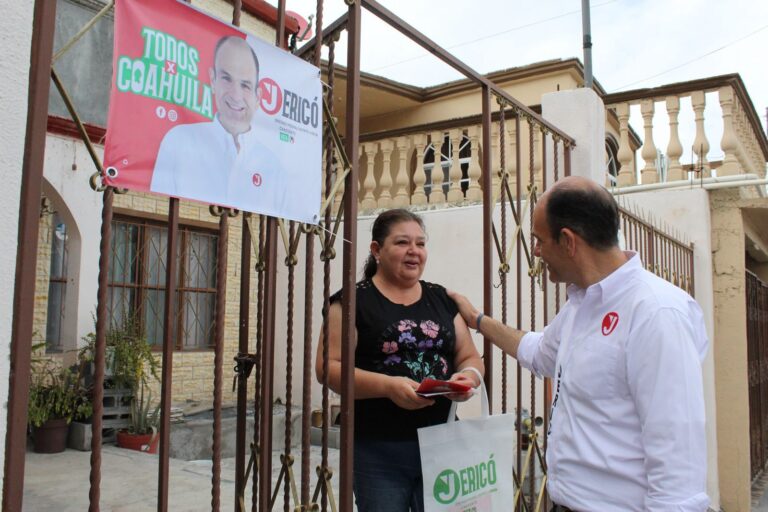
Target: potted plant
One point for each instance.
(134, 365)
(56, 395)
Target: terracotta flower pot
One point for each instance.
(51, 436)
(139, 442)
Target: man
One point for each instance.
(625, 352)
(222, 161)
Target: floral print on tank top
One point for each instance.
(414, 349)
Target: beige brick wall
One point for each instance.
(40, 317)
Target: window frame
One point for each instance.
(141, 282)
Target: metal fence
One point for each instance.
(757, 355)
(508, 241)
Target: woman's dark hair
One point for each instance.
(591, 213)
(382, 226)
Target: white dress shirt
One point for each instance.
(627, 423)
(201, 161)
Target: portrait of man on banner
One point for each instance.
(200, 110)
(223, 159)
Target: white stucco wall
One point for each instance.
(15, 33)
(80, 207)
(687, 212)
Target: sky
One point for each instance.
(636, 43)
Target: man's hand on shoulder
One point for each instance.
(467, 311)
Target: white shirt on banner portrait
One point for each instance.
(627, 425)
(201, 161)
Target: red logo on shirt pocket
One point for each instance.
(610, 321)
(256, 179)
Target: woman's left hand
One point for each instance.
(467, 380)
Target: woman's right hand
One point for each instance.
(402, 391)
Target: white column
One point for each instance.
(385, 181)
(728, 142)
(581, 115)
(455, 194)
(649, 174)
(625, 154)
(474, 193)
(401, 174)
(369, 182)
(700, 143)
(419, 177)
(675, 148)
(436, 195)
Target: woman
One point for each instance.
(407, 330)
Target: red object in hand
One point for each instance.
(434, 387)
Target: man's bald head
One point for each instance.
(585, 208)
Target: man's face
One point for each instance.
(235, 86)
(552, 252)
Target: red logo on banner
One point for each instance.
(610, 321)
(271, 96)
(256, 179)
(170, 67)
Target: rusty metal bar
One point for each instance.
(258, 382)
(270, 293)
(532, 173)
(243, 348)
(547, 398)
(166, 375)
(26, 255)
(519, 292)
(567, 160)
(409, 31)
(487, 237)
(221, 307)
(352, 147)
(503, 274)
(100, 350)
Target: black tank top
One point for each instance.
(415, 341)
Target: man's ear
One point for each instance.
(569, 240)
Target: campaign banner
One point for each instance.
(201, 110)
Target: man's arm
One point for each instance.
(665, 381)
(503, 336)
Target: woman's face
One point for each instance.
(404, 252)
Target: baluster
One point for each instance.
(436, 195)
(419, 176)
(700, 143)
(538, 172)
(511, 159)
(385, 180)
(675, 148)
(455, 195)
(728, 142)
(369, 183)
(474, 192)
(495, 162)
(649, 174)
(401, 174)
(625, 153)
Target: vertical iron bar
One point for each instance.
(243, 348)
(242, 335)
(691, 273)
(289, 366)
(270, 293)
(487, 238)
(351, 143)
(504, 275)
(221, 303)
(519, 298)
(26, 256)
(258, 382)
(532, 172)
(547, 398)
(168, 345)
(566, 160)
(100, 349)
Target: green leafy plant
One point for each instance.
(133, 366)
(55, 392)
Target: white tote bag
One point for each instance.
(467, 464)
